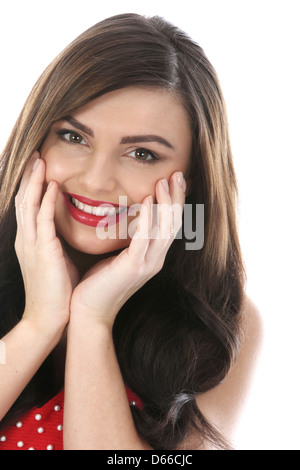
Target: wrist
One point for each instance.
(87, 329)
(83, 315)
(49, 332)
(89, 318)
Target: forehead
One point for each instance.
(138, 110)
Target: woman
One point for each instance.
(131, 111)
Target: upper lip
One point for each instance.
(92, 202)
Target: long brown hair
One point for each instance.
(179, 335)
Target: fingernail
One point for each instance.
(181, 181)
(36, 164)
(165, 184)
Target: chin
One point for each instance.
(95, 246)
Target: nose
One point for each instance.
(99, 174)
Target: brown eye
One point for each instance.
(144, 155)
(74, 138)
(71, 137)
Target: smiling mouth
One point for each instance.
(100, 211)
(90, 212)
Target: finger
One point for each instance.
(28, 207)
(163, 222)
(20, 204)
(26, 176)
(171, 207)
(141, 239)
(177, 187)
(170, 200)
(177, 193)
(46, 231)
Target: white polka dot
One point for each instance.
(40, 430)
(38, 417)
(19, 424)
(59, 427)
(57, 408)
(50, 447)
(2, 438)
(20, 443)
(31, 448)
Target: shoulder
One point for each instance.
(251, 337)
(251, 324)
(223, 404)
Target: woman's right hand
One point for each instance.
(48, 275)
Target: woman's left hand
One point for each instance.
(111, 282)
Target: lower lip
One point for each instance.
(90, 219)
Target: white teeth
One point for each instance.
(100, 211)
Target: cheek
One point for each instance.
(137, 191)
(145, 185)
(55, 169)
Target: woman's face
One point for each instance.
(111, 152)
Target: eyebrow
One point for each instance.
(78, 125)
(134, 139)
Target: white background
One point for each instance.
(254, 46)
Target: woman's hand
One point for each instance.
(111, 282)
(48, 275)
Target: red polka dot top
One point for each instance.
(42, 428)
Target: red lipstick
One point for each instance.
(107, 212)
